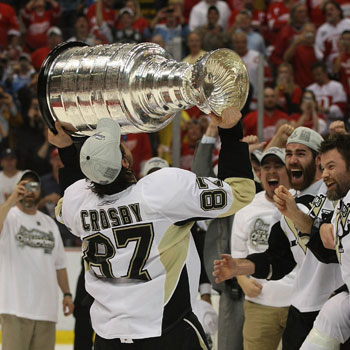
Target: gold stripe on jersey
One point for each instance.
(173, 249)
(336, 238)
(300, 241)
(317, 205)
(58, 211)
(200, 339)
(84, 246)
(342, 215)
(243, 191)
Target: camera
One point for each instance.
(32, 186)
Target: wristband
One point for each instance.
(67, 295)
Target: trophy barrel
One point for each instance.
(138, 85)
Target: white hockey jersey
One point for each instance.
(315, 281)
(141, 261)
(341, 226)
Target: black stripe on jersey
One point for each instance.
(179, 304)
(186, 221)
(278, 256)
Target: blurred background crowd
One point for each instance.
(304, 45)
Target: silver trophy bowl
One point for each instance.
(138, 85)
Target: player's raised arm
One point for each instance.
(234, 163)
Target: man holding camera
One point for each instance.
(32, 262)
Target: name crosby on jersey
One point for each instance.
(101, 219)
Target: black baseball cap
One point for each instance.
(30, 174)
(8, 152)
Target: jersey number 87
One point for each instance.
(100, 250)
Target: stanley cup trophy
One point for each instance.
(138, 85)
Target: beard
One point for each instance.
(30, 203)
(309, 173)
(342, 187)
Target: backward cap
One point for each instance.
(100, 155)
(307, 137)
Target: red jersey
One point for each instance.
(140, 147)
(8, 24)
(109, 15)
(277, 18)
(294, 98)
(140, 24)
(315, 11)
(344, 73)
(38, 57)
(37, 25)
(303, 59)
(282, 43)
(250, 122)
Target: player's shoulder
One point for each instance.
(167, 176)
(77, 188)
(166, 184)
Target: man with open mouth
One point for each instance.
(314, 281)
(266, 303)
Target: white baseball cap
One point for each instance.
(100, 155)
(307, 137)
(275, 151)
(154, 163)
(54, 30)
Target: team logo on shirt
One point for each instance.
(342, 227)
(35, 239)
(317, 205)
(260, 233)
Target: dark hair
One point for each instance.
(314, 153)
(125, 179)
(293, 10)
(340, 142)
(335, 4)
(346, 31)
(213, 8)
(319, 64)
(309, 92)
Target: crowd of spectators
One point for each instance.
(305, 47)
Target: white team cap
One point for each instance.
(307, 137)
(154, 163)
(275, 151)
(100, 155)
